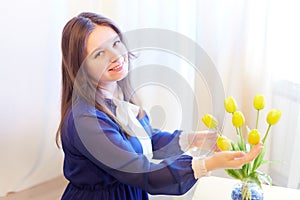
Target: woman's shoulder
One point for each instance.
(82, 115)
(81, 108)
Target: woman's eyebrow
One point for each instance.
(100, 48)
(103, 45)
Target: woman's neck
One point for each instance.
(110, 91)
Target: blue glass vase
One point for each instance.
(247, 191)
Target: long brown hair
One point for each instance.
(73, 44)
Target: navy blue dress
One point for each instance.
(102, 163)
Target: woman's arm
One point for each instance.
(164, 144)
(99, 139)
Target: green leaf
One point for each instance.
(245, 170)
(270, 161)
(265, 178)
(234, 146)
(240, 143)
(258, 160)
(253, 178)
(248, 168)
(235, 173)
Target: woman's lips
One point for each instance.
(117, 68)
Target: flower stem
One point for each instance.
(242, 136)
(237, 130)
(246, 192)
(266, 135)
(257, 116)
(219, 131)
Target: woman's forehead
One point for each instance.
(99, 36)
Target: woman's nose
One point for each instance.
(117, 58)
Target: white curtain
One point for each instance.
(283, 57)
(239, 36)
(30, 92)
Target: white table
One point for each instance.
(216, 188)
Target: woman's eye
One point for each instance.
(98, 54)
(117, 42)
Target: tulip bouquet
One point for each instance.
(249, 172)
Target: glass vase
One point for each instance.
(247, 191)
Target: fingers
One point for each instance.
(233, 159)
(251, 155)
(257, 148)
(236, 155)
(254, 151)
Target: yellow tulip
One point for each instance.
(273, 116)
(254, 137)
(238, 119)
(259, 102)
(230, 105)
(223, 143)
(210, 121)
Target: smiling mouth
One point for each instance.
(117, 68)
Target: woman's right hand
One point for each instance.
(232, 159)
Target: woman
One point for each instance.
(107, 139)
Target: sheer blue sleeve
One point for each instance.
(164, 144)
(100, 140)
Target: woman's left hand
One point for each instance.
(232, 159)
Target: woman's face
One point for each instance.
(107, 60)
